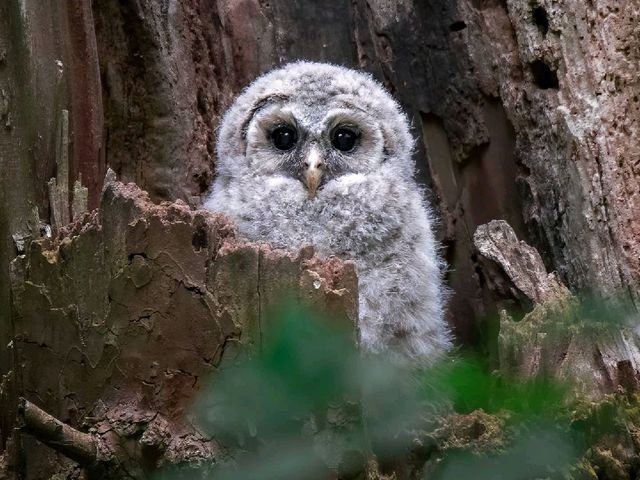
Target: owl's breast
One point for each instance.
(350, 216)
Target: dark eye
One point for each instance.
(284, 138)
(344, 139)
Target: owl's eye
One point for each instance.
(284, 138)
(344, 139)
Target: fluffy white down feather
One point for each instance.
(373, 214)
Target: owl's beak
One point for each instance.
(314, 168)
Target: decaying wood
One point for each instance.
(65, 207)
(522, 263)
(59, 186)
(124, 315)
(526, 111)
(555, 339)
(80, 200)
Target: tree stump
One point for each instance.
(123, 316)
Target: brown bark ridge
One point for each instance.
(120, 319)
(565, 74)
(557, 339)
(47, 65)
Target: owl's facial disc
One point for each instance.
(314, 169)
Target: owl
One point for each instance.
(319, 154)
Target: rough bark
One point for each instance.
(566, 78)
(121, 319)
(557, 339)
(47, 64)
(525, 111)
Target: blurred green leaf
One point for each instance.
(469, 384)
(537, 455)
(307, 403)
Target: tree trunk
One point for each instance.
(490, 86)
(120, 319)
(527, 112)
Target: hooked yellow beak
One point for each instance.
(313, 172)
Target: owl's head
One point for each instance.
(314, 122)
